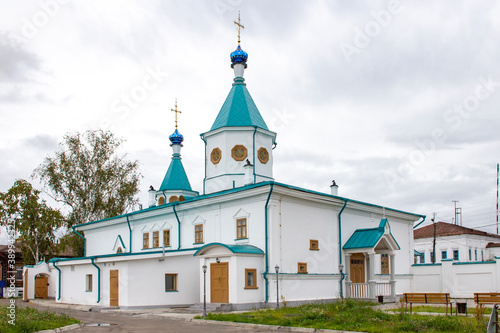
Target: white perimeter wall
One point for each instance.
(458, 279)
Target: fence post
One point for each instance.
(493, 323)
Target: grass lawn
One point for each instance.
(30, 320)
(355, 316)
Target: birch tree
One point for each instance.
(34, 222)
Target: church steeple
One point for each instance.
(238, 134)
(175, 185)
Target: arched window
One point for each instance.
(173, 198)
(119, 250)
(181, 198)
(161, 201)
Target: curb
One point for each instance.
(62, 329)
(271, 327)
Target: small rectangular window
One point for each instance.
(313, 245)
(475, 251)
(384, 263)
(19, 273)
(145, 240)
(302, 268)
(88, 282)
(470, 254)
(156, 239)
(166, 237)
(455, 255)
(422, 258)
(198, 233)
(444, 254)
(170, 282)
(482, 255)
(250, 278)
(241, 228)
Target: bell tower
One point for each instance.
(239, 146)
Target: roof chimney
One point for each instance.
(248, 173)
(152, 195)
(334, 188)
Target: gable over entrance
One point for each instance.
(375, 239)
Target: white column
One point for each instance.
(347, 272)
(392, 269)
(371, 275)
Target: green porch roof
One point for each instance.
(367, 238)
(239, 109)
(235, 248)
(175, 178)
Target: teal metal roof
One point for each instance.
(241, 189)
(175, 178)
(367, 238)
(239, 109)
(235, 248)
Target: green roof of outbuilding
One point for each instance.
(175, 178)
(235, 248)
(239, 109)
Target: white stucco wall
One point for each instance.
(457, 278)
(42, 268)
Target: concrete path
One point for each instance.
(150, 320)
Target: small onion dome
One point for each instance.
(176, 138)
(239, 56)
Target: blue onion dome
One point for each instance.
(239, 56)
(176, 138)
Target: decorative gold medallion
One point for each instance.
(215, 156)
(239, 152)
(263, 155)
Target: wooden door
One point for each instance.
(113, 288)
(219, 283)
(357, 268)
(41, 287)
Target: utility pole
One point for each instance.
(455, 203)
(433, 259)
(497, 197)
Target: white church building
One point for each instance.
(248, 232)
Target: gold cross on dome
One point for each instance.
(239, 27)
(176, 112)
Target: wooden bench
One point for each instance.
(428, 298)
(486, 298)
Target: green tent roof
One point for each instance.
(239, 109)
(175, 178)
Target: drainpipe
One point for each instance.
(84, 241)
(254, 176)
(98, 279)
(130, 235)
(340, 245)
(423, 216)
(204, 179)
(178, 228)
(266, 246)
(59, 284)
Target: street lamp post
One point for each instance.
(204, 267)
(277, 269)
(341, 268)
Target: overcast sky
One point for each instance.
(396, 101)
